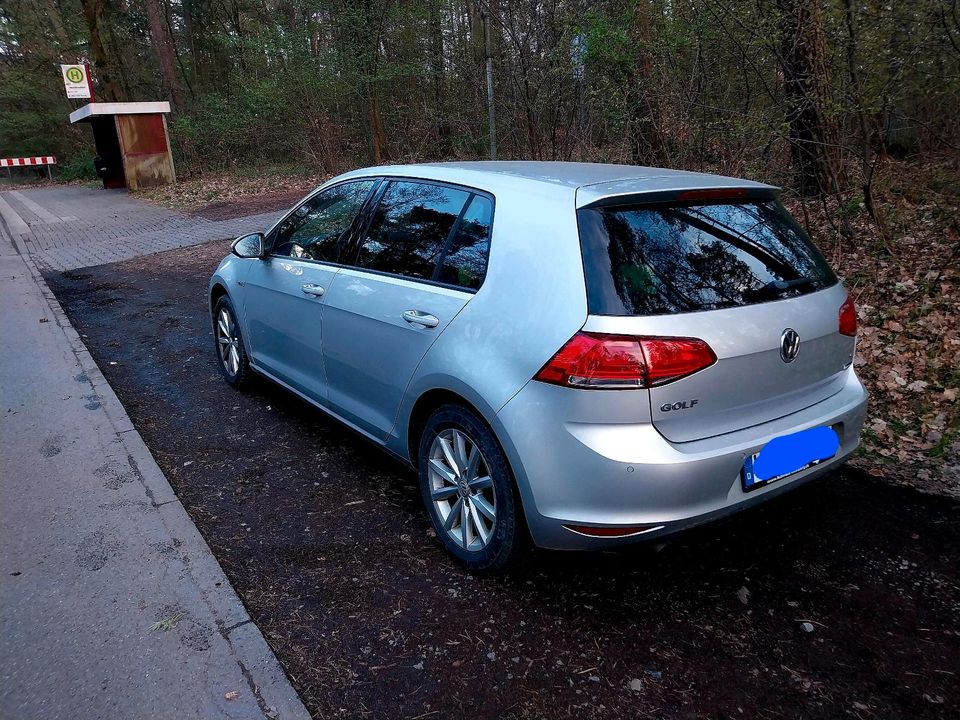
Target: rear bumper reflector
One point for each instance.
(612, 532)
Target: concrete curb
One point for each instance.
(264, 675)
(14, 223)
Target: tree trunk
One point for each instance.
(363, 33)
(106, 57)
(813, 135)
(314, 36)
(646, 142)
(378, 140)
(855, 109)
(56, 21)
(439, 81)
(899, 133)
(163, 46)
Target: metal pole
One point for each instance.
(491, 111)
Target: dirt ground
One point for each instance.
(252, 205)
(326, 541)
(237, 192)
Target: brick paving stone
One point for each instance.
(103, 226)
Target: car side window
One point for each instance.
(409, 228)
(316, 229)
(465, 262)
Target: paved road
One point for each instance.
(64, 228)
(111, 604)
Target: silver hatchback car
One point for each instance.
(580, 354)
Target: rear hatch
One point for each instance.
(731, 268)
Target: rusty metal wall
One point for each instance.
(147, 160)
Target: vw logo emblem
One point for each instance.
(789, 345)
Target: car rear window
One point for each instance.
(465, 259)
(663, 259)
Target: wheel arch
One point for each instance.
(217, 291)
(437, 397)
(429, 401)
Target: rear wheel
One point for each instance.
(468, 490)
(229, 343)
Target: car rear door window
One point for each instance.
(409, 228)
(656, 260)
(465, 261)
(316, 229)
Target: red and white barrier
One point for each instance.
(28, 161)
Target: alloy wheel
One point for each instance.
(228, 342)
(462, 490)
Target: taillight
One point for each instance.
(848, 318)
(616, 362)
(670, 359)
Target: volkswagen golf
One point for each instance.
(582, 355)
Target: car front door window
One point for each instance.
(317, 229)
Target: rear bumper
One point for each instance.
(628, 474)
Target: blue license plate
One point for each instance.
(789, 454)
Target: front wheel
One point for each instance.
(229, 342)
(468, 490)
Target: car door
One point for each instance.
(283, 295)
(394, 295)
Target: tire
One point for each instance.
(486, 544)
(228, 344)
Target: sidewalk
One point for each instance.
(111, 604)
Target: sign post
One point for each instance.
(76, 80)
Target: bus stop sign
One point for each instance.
(76, 79)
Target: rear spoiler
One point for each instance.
(627, 192)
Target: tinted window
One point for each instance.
(316, 229)
(409, 228)
(465, 262)
(645, 260)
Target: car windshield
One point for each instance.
(663, 259)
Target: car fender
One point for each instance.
(230, 274)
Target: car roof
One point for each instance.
(591, 182)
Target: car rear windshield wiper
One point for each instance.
(777, 288)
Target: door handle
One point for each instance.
(415, 317)
(311, 289)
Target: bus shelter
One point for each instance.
(133, 145)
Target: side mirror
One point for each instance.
(248, 246)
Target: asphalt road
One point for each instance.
(326, 542)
